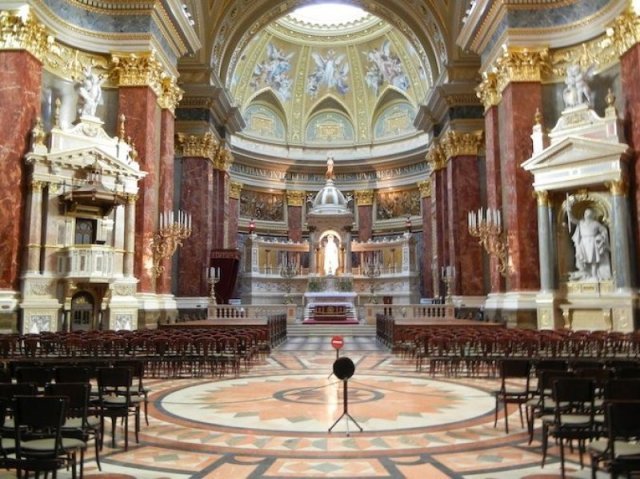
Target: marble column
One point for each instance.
(520, 101)
(620, 235)
(34, 246)
(630, 78)
(234, 213)
(427, 254)
(220, 203)
(140, 107)
(364, 201)
(463, 195)
(196, 196)
(165, 190)
(21, 80)
(546, 235)
(295, 200)
(439, 215)
(129, 236)
(494, 185)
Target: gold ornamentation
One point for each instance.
(462, 144)
(425, 188)
(222, 158)
(193, 146)
(134, 69)
(486, 225)
(295, 198)
(38, 134)
(521, 65)
(170, 235)
(625, 31)
(171, 94)
(24, 32)
(364, 197)
(487, 91)
(542, 197)
(436, 158)
(36, 186)
(618, 187)
(234, 189)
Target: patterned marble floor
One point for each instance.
(272, 422)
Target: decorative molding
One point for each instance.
(24, 32)
(487, 91)
(222, 158)
(625, 31)
(170, 95)
(235, 188)
(618, 187)
(436, 158)
(542, 197)
(296, 198)
(193, 146)
(425, 188)
(364, 197)
(518, 64)
(138, 69)
(462, 144)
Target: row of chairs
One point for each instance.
(573, 405)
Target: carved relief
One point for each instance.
(262, 206)
(397, 204)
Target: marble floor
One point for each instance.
(273, 420)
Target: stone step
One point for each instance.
(330, 330)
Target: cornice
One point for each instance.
(462, 144)
(364, 197)
(425, 188)
(295, 198)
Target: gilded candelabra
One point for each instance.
(172, 231)
(213, 277)
(486, 225)
(372, 271)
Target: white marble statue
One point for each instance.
(577, 91)
(90, 92)
(330, 256)
(591, 242)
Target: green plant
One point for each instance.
(316, 285)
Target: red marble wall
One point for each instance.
(140, 108)
(517, 110)
(219, 209)
(494, 184)
(427, 254)
(21, 83)
(165, 193)
(294, 222)
(630, 76)
(234, 215)
(365, 222)
(463, 194)
(196, 196)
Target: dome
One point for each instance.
(329, 201)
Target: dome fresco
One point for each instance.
(342, 85)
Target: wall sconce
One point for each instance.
(486, 225)
(170, 235)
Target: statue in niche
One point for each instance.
(331, 256)
(591, 242)
(577, 92)
(90, 92)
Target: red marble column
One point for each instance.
(220, 209)
(364, 202)
(140, 108)
(630, 76)
(196, 196)
(440, 233)
(294, 222)
(427, 252)
(21, 80)
(494, 184)
(234, 215)
(463, 194)
(517, 110)
(165, 193)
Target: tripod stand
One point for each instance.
(345, 410)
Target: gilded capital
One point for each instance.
(542, 197)
(193, 146)
(23, 32)
(462, 144)
(364, 197)
(170, 95)
(295, 198)
(618, 187)
(134, 69)
(521, 65)
(425, 188)
(625, 31)
(36, 186)
(487, 91)
(222, 158)
(234, 189)
(436, 157)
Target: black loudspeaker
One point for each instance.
(343, 368)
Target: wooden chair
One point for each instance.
(512, 370)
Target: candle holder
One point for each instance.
(486, 225)
(372, 271)
(213, 277)
(170, 235)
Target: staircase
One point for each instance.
(331, 330)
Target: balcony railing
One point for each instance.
(88, 262)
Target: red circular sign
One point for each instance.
(337, 342)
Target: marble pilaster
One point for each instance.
(427, 254)
(234, 213)
(545, 240)
(219, 208)
(364, 201)
(295, 200)
(139, 106)
(21, 80)
(165, 190)
(34, 246)
(621, 235)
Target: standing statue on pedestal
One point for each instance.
(90, 92)
(330, 256)
(591, 242)
(577, 91)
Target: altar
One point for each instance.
(334, 307)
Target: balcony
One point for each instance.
(92, 263)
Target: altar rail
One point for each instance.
(409, 312)
(248, 311)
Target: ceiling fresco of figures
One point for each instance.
(300, 85)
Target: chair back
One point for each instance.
(623, 424)
(38, 375)
(622, 389)
(77, 396)
(573, 395)
(39, 417)
(115, 382)
(72, 374)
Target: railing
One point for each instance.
(248, 312)
(87, 261)
(410, 312)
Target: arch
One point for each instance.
(329, 102)
(393, 115)
(329, 126)
(268, 97)
(264, 116)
